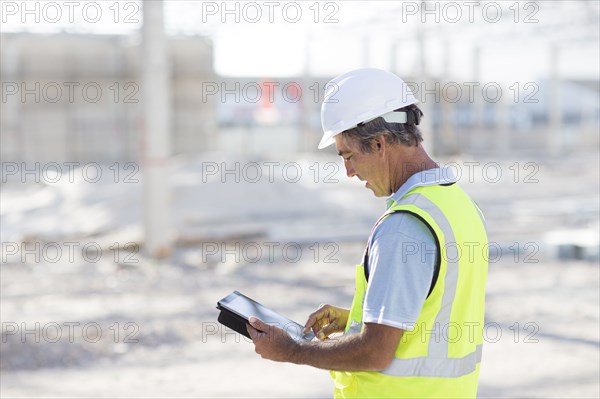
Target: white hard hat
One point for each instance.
(360, 96)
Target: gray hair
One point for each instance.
(396, 133)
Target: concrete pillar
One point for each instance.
(307, 103)
(589, 124)
(156, 147)
(447, 131)
(426, 126)
(366, 59)
(117, 149)
(502, 139)
(11, 135)
(555, 115)
(395, 47)
(478, 106)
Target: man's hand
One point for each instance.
(370, 350)
(327, 320)
(270, 342)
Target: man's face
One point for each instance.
(368, 167)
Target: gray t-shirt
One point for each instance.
(402, 255)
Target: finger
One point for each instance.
(315, 317)
(328, 330)
(258, 324)
(325, 319)
(315, 322)
(309, 323)
(253, 332)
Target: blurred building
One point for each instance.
(521, 120)
(69, 97)
(260, 115)
(263, 115)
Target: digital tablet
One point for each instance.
(236, 308)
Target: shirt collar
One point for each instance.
(429, 177)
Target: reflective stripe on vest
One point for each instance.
(432, 367)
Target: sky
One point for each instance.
(283, 38)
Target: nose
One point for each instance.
(350, 172)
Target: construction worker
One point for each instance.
(415, 327)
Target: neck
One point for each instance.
(407, 162)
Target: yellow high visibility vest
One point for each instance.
(441, 356)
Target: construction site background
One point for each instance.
(142, 182)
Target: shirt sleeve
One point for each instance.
(402, 260)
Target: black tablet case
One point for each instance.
(231, 318)
(233, 321)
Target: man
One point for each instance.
(416, 321)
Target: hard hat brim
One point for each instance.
(327, 140)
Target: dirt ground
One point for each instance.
(148, 329)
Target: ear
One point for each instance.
(378, 144)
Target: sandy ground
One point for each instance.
(157, 320)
